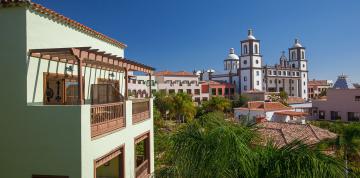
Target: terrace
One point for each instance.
(107, 96)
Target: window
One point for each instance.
(197, 99)
(245, 78)
(245, 61)
(302, 55)
(304, 75)
(227, 91)
(245, 87)
(274, 72)
(321, 114)
(297, 73)
(293, 55)
(257, 61)
(304, 91)
(204, 98)
(357, 98)
(303, 65)
(197, 91)
(171, 91)
(279, 72)
(188, 91)
(257, 73)
(284, 73)
(256, 49)
(304, 83)
(180, 91)
(213, 91)
(289, 73)
(353, 116)
(232, 91)
(142, 153)
(220, 91)
(334, 115)
(269, 72)
(279, 81)
(270, 81)
(257, 83)
(245, 49)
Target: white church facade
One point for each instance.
(248, 72)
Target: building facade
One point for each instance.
(342, 102)
(178, 82)
(65, 102)
(139, 85)
(216, 89)
(248, 72)
(317, 88)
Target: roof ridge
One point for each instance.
(310, 126)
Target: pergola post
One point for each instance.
(150, 83)
(126, 84)
(80, 82)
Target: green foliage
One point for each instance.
(240, 101)
(179, 106)
(347, 145)
(215, 104)
(210, 147)
(282, 97)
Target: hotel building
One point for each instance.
(66, 111)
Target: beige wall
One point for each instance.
(341, 100)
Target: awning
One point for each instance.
(90, 57)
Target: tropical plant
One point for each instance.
(240, 101)
(162, 102)
(182, 107)
(282, 97)
(211, 146)
(220, 104)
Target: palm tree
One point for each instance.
(211, 147)
(182, 107)
(216, 104)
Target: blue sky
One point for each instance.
(196, 34)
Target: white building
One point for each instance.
(139, 85)
(65, 109)
(179, 82)
(248, 71)
(269, 111)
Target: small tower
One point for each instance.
(250, 64)
(298, 62)
(231, 63)
(283, 59)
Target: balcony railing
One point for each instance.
(142, 171)
(106, 118)
(140, 110)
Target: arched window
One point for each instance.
(245, 61)
(256, 49)
(257, 61)
(302, 55)
(245, 49)
(293, 56)
(293, 65)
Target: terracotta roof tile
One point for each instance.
(283, 133)
(171, 73)
(62, 19)
(317, 82)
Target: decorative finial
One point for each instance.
(283, 53)
(232, 51)
(250, 32)
(296, 41)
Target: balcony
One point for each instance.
(106, 118)
(142, 171)
(140, 110)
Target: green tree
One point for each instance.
(211, 147)
(216, 104)
(163, 103)
(282, 97)
(182, 107)
(240, 101)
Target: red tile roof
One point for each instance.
(265, 106)
(293, 100)
(61, 19)
(317, 82)
(171, 73)
(283, 133)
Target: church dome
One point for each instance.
(250, 35)
(232, 55)
(297, 44)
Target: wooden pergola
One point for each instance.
(94, 58)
